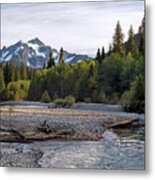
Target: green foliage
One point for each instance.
(118, 40)
(16, 90)
(61, 56)
(17, 73)
(142, 38)
(98, 55)
(110, 74)
(23, 72)
(132, 47)
(109, 78)
(87, 100)
(9, 73)
(2, 83)
(67, 101)
(103, 53)
(87, 83)
(45, 97)
(102, 97)
(133, 99)
(37, 85)
(51, 61)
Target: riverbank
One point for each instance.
(42, 136)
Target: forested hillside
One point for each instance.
(117, 76)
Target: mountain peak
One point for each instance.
(36, 41)
(35, 54)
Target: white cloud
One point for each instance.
(78, 27)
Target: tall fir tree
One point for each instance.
(132, 47)
(9, 73)
(98, 55)
(17, 73)
(118, 40)
(2, 83)
(6, 73)
(110, 50)
(103, 53)
(61, 56)
(142, 37)
(12, 72)
(23, 72)
(51, 60)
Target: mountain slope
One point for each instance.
(34, 54)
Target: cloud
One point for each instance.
(79, 27)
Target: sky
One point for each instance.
(79, 27)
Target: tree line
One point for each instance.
(113, 77)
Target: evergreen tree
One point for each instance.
(23, 72)
(98, 55)
(131, 42)
(45, 97)
(142, 38)
(61, 57)
(51, 60)
(102, 53)
(6, 73)
(17, 73)
(30, 73)
(118, 40)
(110, 50)
(2, 83)
(12, 72)
(9, 73)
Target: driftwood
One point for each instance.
(125, 123)
(13, 132)
(45, 128)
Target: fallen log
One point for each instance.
(12, 132)
(125, 123)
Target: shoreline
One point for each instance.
(61, 137)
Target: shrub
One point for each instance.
(87, 100)
(134, 99)
(102, 97)
(67, 101)
(45, 97)
(16, 90)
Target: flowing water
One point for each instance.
(123, 150)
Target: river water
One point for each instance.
(120, 149)
(113, 151)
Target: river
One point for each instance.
(118, 149)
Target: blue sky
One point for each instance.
(79, 27)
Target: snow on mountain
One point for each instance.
(34, 54)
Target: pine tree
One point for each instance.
(45, 97)
(131, 42)
(103, 53)
(142, 37)
(98, 55)
(110, 50)
(9, 73)
(2, 83)
(61, 57)
(51, 60)
(6, 73)
(12, 72)
(17, 73)
(118, 40)
(23, 72)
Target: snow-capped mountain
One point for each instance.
(35, 54)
